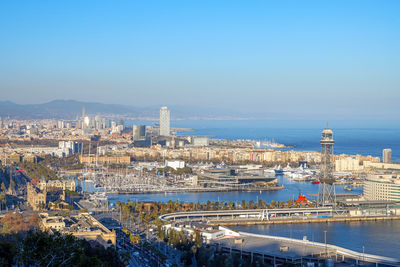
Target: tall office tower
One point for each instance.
(121, 122)
(97, 122)
(60, 124)
(326, 190)
(86, 122)
(387, 155)
(108, 123)
(164, 121)
(139, 132)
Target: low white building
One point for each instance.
(222, 232)
(347, 164)
(207, 235)
(378, 165)
(68, 147)
(175, 164)
(200, 141)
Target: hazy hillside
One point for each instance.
(70, 109)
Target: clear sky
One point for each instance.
(291, 57)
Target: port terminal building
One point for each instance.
(232, 178)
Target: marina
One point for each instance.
(290, 191)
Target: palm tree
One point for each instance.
(243, 204)
(230, 204)
(3, 200)
(251, 204)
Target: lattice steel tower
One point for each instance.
(326, 191)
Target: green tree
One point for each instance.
(8, 250)
(197, 238)
(43, 249)
(251, 204)
(134, 238)
(3, 199)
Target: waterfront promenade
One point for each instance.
(273, 216)
(261, 214)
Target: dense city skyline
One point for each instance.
(264, 57)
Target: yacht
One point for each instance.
(279, 170)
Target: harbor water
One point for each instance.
(291, 191)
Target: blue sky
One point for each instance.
(283, 57)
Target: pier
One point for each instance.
(174, 190)
(289, 250)
(302, 220)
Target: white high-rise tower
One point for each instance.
(164, 121)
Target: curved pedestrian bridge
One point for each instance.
(262, 214)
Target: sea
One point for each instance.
(362, 137)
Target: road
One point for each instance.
(139, 254)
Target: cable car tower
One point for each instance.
(326, 190)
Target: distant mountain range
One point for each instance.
(71, 109)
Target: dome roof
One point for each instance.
(327, 131)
